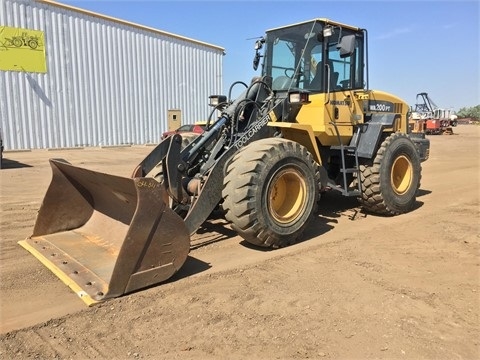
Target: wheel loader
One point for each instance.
(308, 123)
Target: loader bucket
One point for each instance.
(105, 235)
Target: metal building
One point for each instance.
(73, 78)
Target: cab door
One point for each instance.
(345, 75)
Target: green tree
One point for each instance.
(471, 112)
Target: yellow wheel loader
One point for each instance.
(307, 124)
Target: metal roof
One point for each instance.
(124, 22)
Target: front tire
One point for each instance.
(271, 192)
(390, 184)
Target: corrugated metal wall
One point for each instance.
(107, 82)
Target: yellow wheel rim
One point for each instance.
(401, 175)
(287, 196)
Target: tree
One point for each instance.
(471, 112)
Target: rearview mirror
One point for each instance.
(346, 46)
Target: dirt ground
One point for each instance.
(359, 286)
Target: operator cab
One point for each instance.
(319, 56)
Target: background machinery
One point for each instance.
(307, 124)
(432, 119)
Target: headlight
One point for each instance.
(298, 97)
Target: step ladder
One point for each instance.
(348, 150)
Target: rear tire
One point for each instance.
(271, 192)
(390, 184)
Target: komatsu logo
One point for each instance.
(251, 132)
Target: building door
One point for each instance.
(174, 119)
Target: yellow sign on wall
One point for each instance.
(22, 50)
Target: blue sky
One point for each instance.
(414, 46)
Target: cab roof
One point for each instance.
(322, 20)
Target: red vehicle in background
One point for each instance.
(191, 128)
(433, 119)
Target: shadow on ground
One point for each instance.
(12, 164)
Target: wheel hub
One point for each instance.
(287, 196)
(401, 175)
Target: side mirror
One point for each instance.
(256, 60)
(258, 45)
(346, 46)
